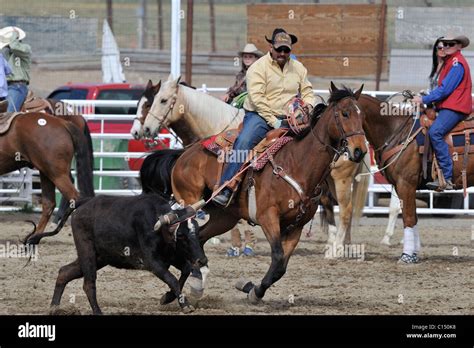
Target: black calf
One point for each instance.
(118, 231)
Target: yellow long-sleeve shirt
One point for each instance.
(270, 89)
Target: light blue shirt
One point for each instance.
(4, 71)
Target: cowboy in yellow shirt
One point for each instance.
(272, 81)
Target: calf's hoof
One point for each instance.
(244, 285)
(167, 298)
(64, 310)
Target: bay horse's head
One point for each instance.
(143, 107)
(345, 122)
(161, 112)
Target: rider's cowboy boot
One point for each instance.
(223, 197)
(435, 185)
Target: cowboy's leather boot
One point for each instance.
(223, 197)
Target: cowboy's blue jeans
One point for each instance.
(16, 96)
(254, 130)
(446, 120)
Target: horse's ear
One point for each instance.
(332, 87)
(358, 92)
(156, 88)
(170, 77)
(178, 79)
(149, 84)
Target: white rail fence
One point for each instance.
(23, 180)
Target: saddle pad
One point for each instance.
(6, 120)
(262, 161)
(211, 145)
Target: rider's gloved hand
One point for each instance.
(281, 124)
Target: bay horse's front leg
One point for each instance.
(281, 249)
(411, 239)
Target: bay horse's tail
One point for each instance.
(360, 190)
(84, 159)
(155, 173)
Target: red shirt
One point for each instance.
(460, 100)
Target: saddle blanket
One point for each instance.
(6, 120)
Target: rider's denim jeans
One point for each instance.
(446, 120)
(16, 96)
(254, 130)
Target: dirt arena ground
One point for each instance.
(441, 284)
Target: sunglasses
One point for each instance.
(449, 44)
(282, 49)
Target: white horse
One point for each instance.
(192, 113)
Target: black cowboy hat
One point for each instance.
(281, 38)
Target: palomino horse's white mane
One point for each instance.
(205, 113)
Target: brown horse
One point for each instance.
(143, 107)
(48, 144)
(405, 171)
(281, 211)
(193, 115)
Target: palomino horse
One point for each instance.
(194, 115)
(404, 169)
(281, 210)
(48, 143)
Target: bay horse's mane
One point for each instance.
(335, 96)
(339, 94)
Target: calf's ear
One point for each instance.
(168, 233)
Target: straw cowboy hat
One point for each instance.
(281, 38)
(462, 39)
(251, 49)
(7, 33)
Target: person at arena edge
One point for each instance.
(272, 81)
(453, 102)
(18, 56)
(4, 71)
(438, 62)
(249, 55)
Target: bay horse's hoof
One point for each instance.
(244, 285)
(196, 285)
(253, 298)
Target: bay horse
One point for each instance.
(194, 115)
(48, 143)
(281, 211)
(405, 171)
